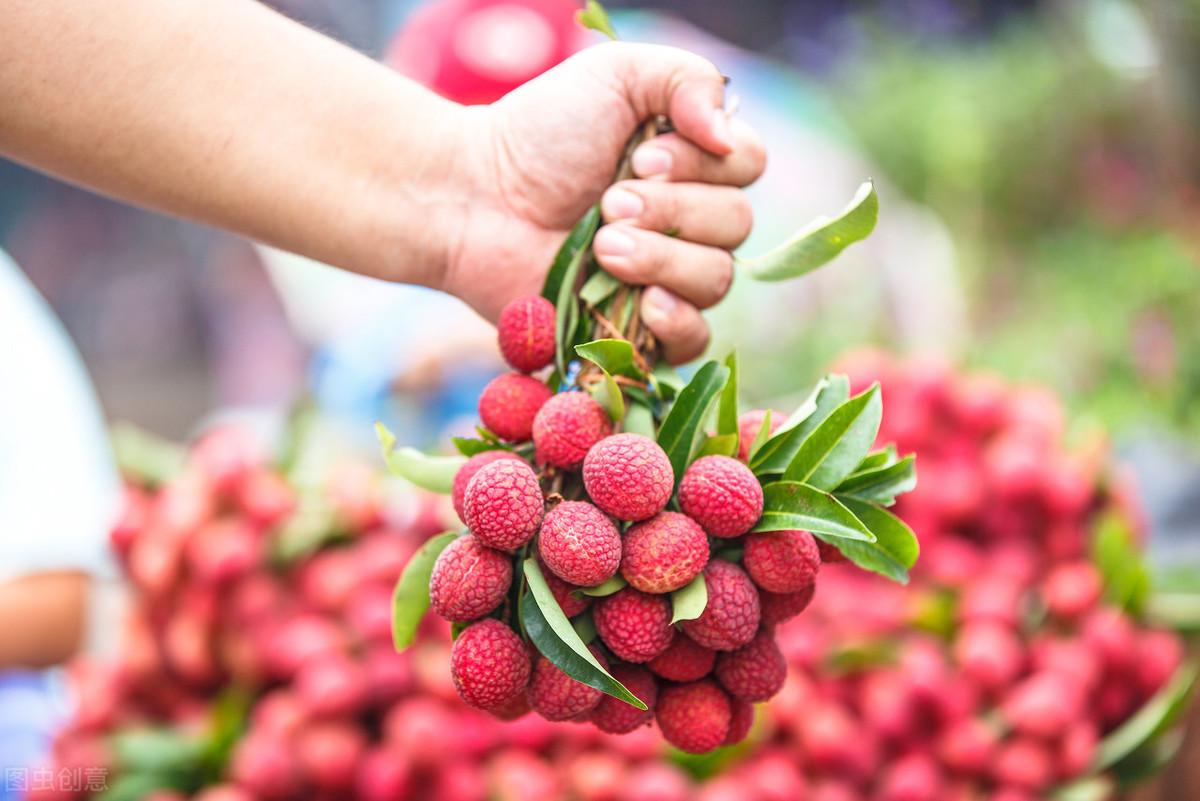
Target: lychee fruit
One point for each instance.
(684, 660)
(332, 686)
(566, 427)
(556, 696)
(564, 593)
(778, 607)
(830, 555)
(694, 717)
(508, 404)
(613, 715)
(629, 476)
(504, 504)
(1072, 589)
(525, 331)
(740, 722)
(754, 672)
(636, 626)
(732, 615)
(580, 544)
(663, 553)
(489, 664)
(467, 472)
(1043, 704)
(1023, 763)
(782, 561)
(989, 653)
(722, 495)
(469, 579)
(750, 423)
(511, 708)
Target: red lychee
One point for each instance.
(782, 561)
(694, 717)
(489, 664)
(636, 626)
(556, 696)
(722, 495)
(967, 746)
(566, 427)
(664, 553)
(504, 504)
(1043, 704)
(263, 764)
(469, 579)
(328, 754)
(385, 776)
(467, 472)
(580, 544)
(508, 404)
(684, 660)
(1023, 763)
(989, 653)
(778, 607)
(525, 331)
(511, 708)
(1072, 589)
(732, 615)
(750, 423)
(912, 777)
(332, 686)
(830, 555)
(617, 717)
(570, 603)
(740, 722)
(754, 672)
(629, 476)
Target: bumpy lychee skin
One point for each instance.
(733, 612)
(694, 717)
(684, 660)
(489, 664)
(525, 331)
(754, 672)
(617, 717)
(469, 579)
(508, 404)
(564, 594)
(566, 427)
(782, 561)
(504, 504)
(629, 476)
(467, 472)
(580, 544)
(663, 553)
(830, 555)
(750, 423)
(511, 708)
(722, 495)
(778, 607)
(556, 696)
(741, 721)
(636, 626)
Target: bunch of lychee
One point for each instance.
(615, 537)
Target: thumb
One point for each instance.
(687, 88)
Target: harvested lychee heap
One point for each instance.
(525, 331)
(556, 696)
(580, 544)
(754, 672)
(567, 426)
(469, 579)
(503, 504)
(617, 717)
(694, 717)
(629, 476)
(664, 553)
(782, 561)
(636, 626)
(722, 495)
(508, 404)
(489, 664)
(467, 472)
(732, 615)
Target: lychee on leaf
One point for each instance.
(580, 544)
(694, 717)
(509, 403)
(664, 553)
(722, 495)
(636, 626)
(468, 580)
(467, 472)
(732, 615)
(525, 332)
(782, 561)
(489, 664)
(567, 427)
(504, 504)
(556, 696)
(754, 672)
(613, 715)
(629, 476)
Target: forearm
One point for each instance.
(43, 619)
(227, 113)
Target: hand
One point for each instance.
(534, 162)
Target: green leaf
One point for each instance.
(881, 458)
(136, 786)
(880, 484)
(677, 436)
(561, 281)
(1092, 788)
(895, 549)
(410, 598)
(550, 630)
(839, 443)
(1149, 722)
(1117, 557)
(687, 603)
(639, 420)
(727, 411)
(145, 457)
(820, 241)
(760, 439)
(666, 380)
(599, 288)
(157, 750)
(612, 355)
(576, 243)
(788, 505)
(469, 446)
(434, 473)
(723, 445)
(779, 450)
(608, 394)
(594, 17)
(614, 584)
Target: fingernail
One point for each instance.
(649, 161)
(612, 241)
(659, 304)
(720, 128)
(621, 204)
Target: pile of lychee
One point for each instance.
(602, 510)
